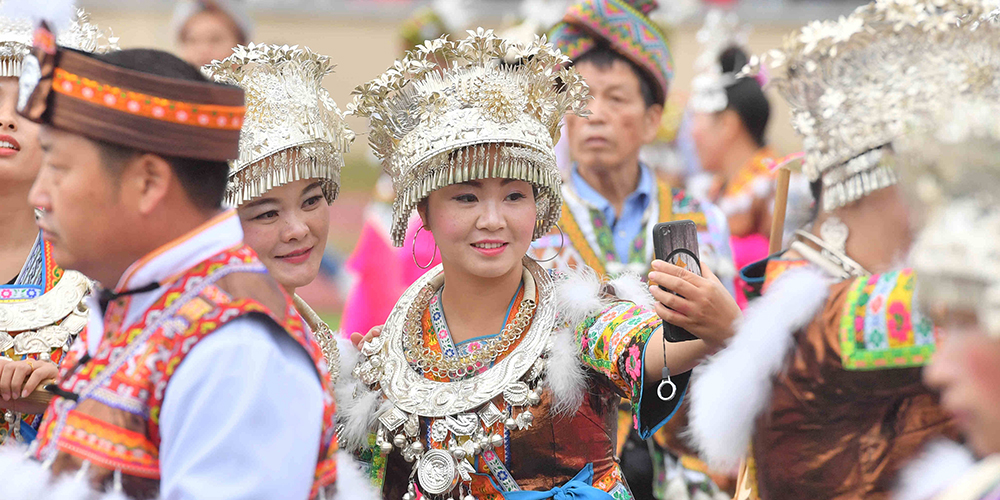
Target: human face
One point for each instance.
(707, 131)
(207, 36)
(619, 124)
(966, 369)
(84, 214)
(20, 156)
(482, 228)
(287, 227)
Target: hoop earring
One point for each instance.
(562, 244)
(413, 250)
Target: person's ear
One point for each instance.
(422, 212)
(730, 125)
(651, 122)
(149, 179)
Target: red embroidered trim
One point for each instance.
(148, 106)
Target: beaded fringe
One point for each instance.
(483, 161)
(311, 161)
(10, 66)
(857, 178)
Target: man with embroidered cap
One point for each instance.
(611, 200)
(195, 373)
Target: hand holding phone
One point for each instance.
(676, 243)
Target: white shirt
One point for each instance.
(242, 415)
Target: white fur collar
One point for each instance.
(940, 465)
(731, 389)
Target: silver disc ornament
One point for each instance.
(437, 472)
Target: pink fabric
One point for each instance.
(382, 274)
(747, 250)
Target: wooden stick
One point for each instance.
(780, 206)
(34, 403)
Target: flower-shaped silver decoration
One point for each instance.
(858, 83)
(446, 97)
(292, 129)
(16, 36)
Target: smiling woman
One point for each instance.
(283, 182)
(492, 377)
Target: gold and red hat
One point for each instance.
(78, 93)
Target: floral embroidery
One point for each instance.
(880, 328)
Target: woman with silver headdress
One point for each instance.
(826, 366)
(954, 176)
(492, 378)
(292, 147)
(41, 308)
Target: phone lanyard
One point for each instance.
(665, 381)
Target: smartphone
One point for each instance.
(676, 242)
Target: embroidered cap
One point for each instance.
(472, 117)
(625, 26)
(292, 129)
(78, 93)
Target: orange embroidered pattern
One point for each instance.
(147, 106)
(132, 368)
(109, 446)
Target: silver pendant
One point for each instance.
(392, 419)
(412, 425)
(437, 472)
(516, 394)
(439, 431)
(490, 414)
(463, 424)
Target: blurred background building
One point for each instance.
(363, 37)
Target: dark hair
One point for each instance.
(745, 97)
(204, 181)
(603, 56)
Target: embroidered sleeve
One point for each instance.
(613, 343)
(880, 328)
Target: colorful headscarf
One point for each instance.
(626, 27)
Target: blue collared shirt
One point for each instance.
(625, 228)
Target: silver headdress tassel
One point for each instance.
(721, 31)
(293, 130)
(858, 83)
(953, 173)
(16, 36)
(453, 111)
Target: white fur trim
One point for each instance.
(351, 481)
(733, 387)
(70, 487)
(629, 286)
(578, 294)
(23, 478)
(115, 495)
(357, 406)
(940, 465)
(564, 373)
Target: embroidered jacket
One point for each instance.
(551, 449)
(113, 425)
(849, 408)
(585, 238)
(41, 314)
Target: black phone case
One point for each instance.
(670, 241)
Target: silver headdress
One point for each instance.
(16, 36)
(292, 130)
(858, 83)
(708, 89)
(954, 173)
(452, 111)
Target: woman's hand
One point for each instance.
(703, 306)
(20, 378)
(358, 340)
